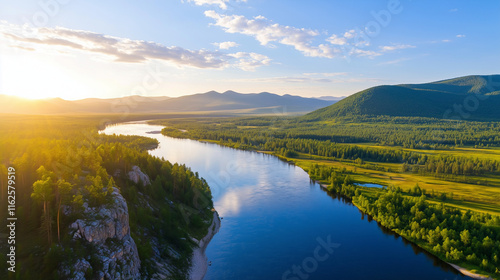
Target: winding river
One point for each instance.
(277, 224)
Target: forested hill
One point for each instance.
(95, 206)
(465, 98)
(227, 102)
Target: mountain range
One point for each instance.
(228, 102)
(475, 97)
(472, 97)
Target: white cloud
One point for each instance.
(350, 34)
(226, 45)
(221, 3)
(446, 41)
(353, 37)
(454, 10)
(123, 49)
(262, 29)
(335, 40)
(395, 47)
(361, 52)
(460, 36)
(313, 78)
(326, 74)
(250, 61)
(265, 31)
(353, 42)
(396, 61)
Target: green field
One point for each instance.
(466, 196)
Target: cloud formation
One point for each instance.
(334, 78)
(326, 74)
(226, 45)
(265, 31)
(395, 61)
(353, 37)
(351, 43)
(124, 49)
(250, 61)
(395, 47)
(221, 3)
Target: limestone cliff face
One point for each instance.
(106, 229)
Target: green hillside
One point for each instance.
(465, 98)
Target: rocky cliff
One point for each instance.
(112, 253)
(106, 229)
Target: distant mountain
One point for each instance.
(331, 98)
(465, 98)
(227, 102)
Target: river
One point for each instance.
(277, 224)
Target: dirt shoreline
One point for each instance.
(469, 273)
(199, 261)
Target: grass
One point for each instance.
(490, 153)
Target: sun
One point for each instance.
(34, 76)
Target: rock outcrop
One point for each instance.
(137, 175)
(106, 229)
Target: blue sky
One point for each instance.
(76, 49)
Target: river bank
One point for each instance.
(462, 270)
(199, 264)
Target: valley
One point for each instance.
(249, 140)
(456, 168)
(439, 178)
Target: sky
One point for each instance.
(75, 49)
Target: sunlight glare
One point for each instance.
(36, 77)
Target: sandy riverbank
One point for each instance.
(470, 274)
(199, 262)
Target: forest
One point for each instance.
(408, 132)
(63, 165)
(336, 151)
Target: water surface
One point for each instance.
(275, 221)
(368, 185)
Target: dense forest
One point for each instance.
(63, 165)
(408, 132)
